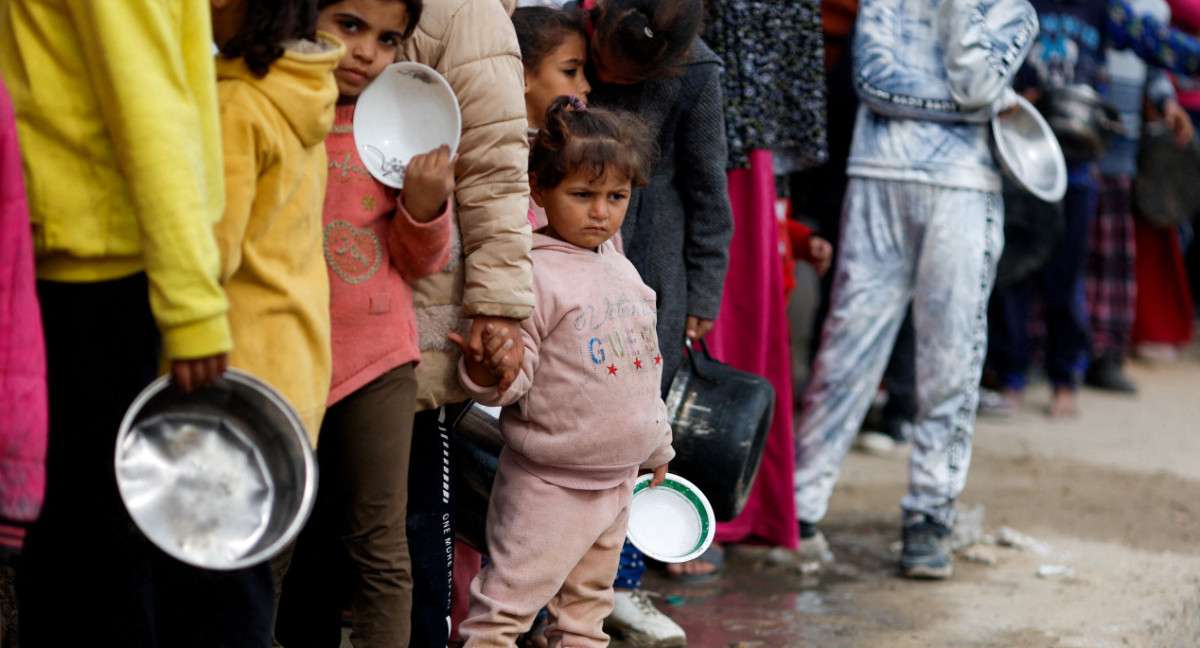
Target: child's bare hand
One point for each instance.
(480, 325)
(428, 183)
(660, 476)
(198, 372)
(490, 362)
(821, 253)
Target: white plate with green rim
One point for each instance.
(672, 522)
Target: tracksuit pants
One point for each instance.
(903, 243)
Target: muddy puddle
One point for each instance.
(765, 599)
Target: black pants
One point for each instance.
(353, 548)
(88, 576)
(431, 528)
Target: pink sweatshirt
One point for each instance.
(373, 249)
(589, 411)
(23, 408)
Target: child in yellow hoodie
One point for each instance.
(277, 92)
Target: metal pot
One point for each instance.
(720, 417)
(222, 477)
(1165, 191)
(1081, 120)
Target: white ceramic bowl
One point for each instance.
(222, 477)
(672, 522)
(1029, 152)
(407, 110)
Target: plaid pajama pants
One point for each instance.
(1110, 279)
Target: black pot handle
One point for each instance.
(697, 362)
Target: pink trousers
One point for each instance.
(551, 546)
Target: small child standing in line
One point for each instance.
(377, 241)
(576, 441)
(276, 91)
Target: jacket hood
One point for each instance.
(545, 241)
(300, 84)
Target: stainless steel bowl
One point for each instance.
(1029, 152)
(220, 478)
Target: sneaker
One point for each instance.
(924, 554)
(813, 545)
(994, 404)
(636, 621)
(1107, 373)
(874, 443)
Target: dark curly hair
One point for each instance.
(648, 38)
(267, 26)
(540, 30)
(414, 8)
(594, 138)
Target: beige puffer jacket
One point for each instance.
(473, 45)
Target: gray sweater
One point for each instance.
(677, 229)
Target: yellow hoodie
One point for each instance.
(272, 259)
(117, 119)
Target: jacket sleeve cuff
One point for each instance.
(197, 339)
(439, 222)
(488, 309)
(488, 395)
(663, 455)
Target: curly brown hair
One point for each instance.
(593, 138)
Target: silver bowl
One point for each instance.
(220, 478)
(1029, 152)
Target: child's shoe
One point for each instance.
(637, 622)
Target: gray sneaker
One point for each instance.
(924, 554)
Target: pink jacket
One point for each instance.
(23, 408)
(589, 411)
(373, 250)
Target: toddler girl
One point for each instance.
(645, 57)
(376, 242)
(560, 502)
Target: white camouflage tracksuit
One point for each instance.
(922, 221)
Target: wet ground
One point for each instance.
(1090, 537)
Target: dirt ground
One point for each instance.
(1090, 539)
(1092, 526)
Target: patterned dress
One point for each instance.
(773, 52)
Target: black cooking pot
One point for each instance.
(720, 417)
(1081, 120)
(1166, 192)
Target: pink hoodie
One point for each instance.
(23, 408)
(589, 411)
